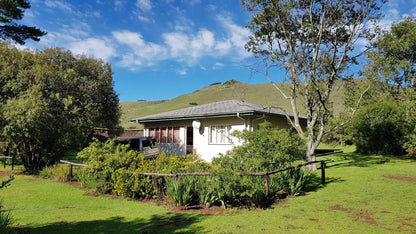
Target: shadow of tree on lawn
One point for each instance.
(357, 160)
(166, 223)
(314, 182)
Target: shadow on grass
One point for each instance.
(167, 223)
(357, 160)
(314, 182)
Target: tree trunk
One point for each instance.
(310, 154)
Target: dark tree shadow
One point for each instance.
(358, 160)
(166, 223)
(314, 182)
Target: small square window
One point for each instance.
(220, 134)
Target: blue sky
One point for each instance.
(161, 49)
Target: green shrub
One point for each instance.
(410, 144)
(380, 128)
(103, 159)
(262, 150)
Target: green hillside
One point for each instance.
(262, 94)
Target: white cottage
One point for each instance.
(205, 129)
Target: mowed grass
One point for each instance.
(364, 194)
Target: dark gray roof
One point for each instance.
(216, 109)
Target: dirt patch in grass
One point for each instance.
(366, 216)
(357, 215)
(10, 173)
(402, 178)
(406, 224)
(6, 173)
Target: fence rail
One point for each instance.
(71, 164)
(4, 161)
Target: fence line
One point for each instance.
(4, 161)
(264, 174)
(71, 164)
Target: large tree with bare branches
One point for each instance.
(313, 42)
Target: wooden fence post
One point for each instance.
(266, 184)
(70, 170)
(323, 172)
(12, 164)
(4, 162)
(155, 186)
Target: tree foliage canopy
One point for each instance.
(313, 41)
(51, 100)
(394, 57)
(10, 11)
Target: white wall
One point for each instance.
(201, 137)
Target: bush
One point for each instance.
(103, 160)
(262, 150)
(380, 128)
(114, 168)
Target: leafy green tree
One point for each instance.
(51, 101)
(392, 65)
(10, 11)
(380, 128)
(394, 57)
(313, 41)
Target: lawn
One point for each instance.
(364, 194)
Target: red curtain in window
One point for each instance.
(176, 138)
(151, 132)
(157, 134)
(163, 135)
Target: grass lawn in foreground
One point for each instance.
(364, 194)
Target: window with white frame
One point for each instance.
(220, 134)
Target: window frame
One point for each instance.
(218, 140)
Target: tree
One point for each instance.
(380, 128)
(313, 41)
(393, 64)
(394, 57)
(10, 11)
(51, 101)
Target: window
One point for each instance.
(220, 134)
(165, 135)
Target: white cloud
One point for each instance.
(117, 5)
(138, 51)
(237, 37)
(58, 4)
(183, 45)
(143, 18)
(144, 5)
(218, 65)
(98, 48)
(182, 72)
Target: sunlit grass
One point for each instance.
(364, 194)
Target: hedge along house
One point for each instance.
(206, 129)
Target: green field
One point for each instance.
(364, 194)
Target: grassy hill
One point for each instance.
(261, 94)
